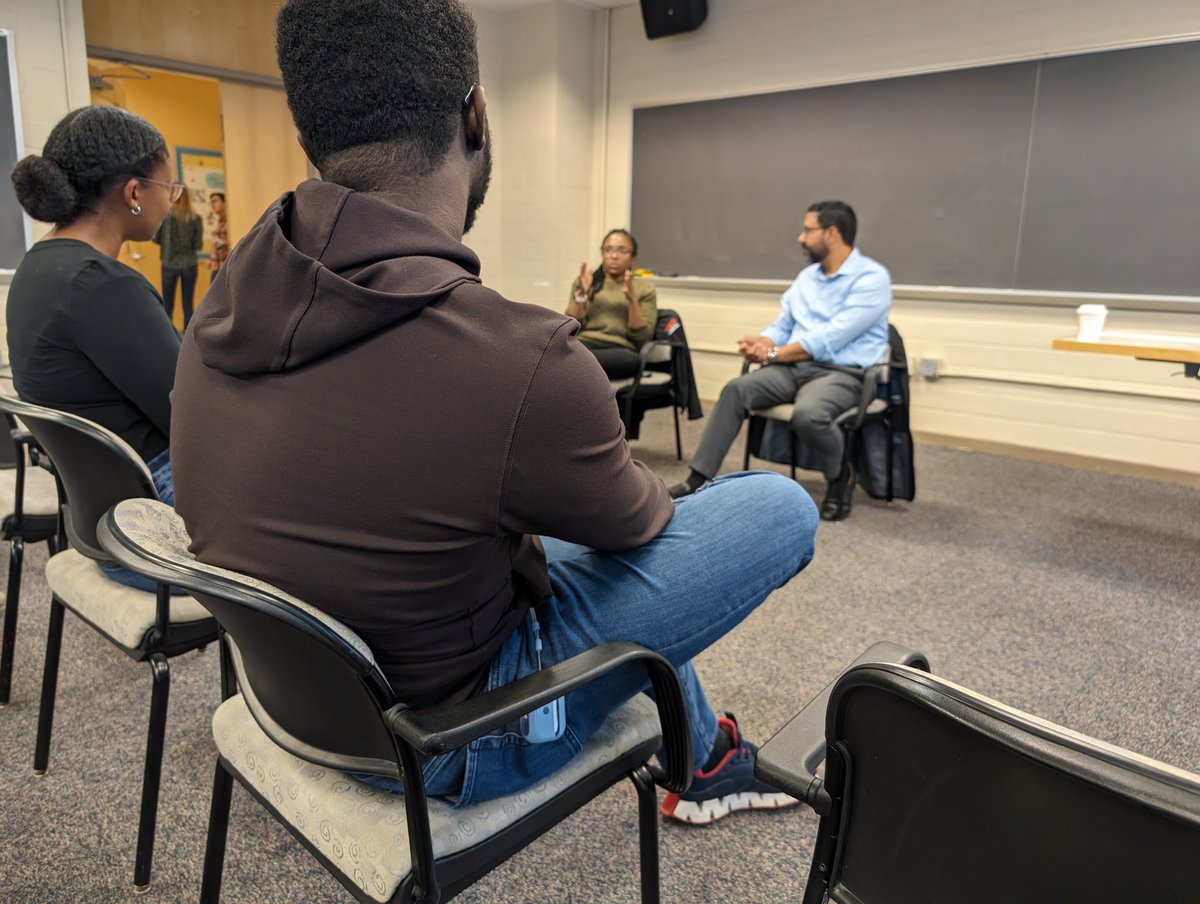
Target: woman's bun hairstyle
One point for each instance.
(87, 152)
(44, 190)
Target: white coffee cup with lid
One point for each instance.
(1089, 322)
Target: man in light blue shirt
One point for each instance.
(832, 326)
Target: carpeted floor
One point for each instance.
(1070, 594)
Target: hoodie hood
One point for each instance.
(323, 268)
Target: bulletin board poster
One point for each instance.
(203, 172)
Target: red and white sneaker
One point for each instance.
(729, 786)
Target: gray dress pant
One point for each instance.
(819, 392)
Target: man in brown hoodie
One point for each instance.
(357, 420)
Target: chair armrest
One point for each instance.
(875, 376)
(37, 458)
(789, 759)
(438, 729)
(644, 351)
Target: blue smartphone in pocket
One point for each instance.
(546, 723)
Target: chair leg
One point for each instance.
(160, 691)
(11, 599)
(647, 833)
(218, 828)
(678, 443)
(754, 431)
(41, 750)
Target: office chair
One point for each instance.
(314, 706)
(97, 469)
(665, 366)
(876, 439)
(30, 496)
(934, 794)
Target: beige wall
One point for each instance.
(562, 82)
(263, 159)
(1003, 384)
(540, 67)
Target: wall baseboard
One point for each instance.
(1083, 462)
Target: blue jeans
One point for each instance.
(160, 471)
(728, 546)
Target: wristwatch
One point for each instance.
(773, 354)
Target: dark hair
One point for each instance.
(88, 152)
(376, 83)
(598, 274)
(216, 194)
(839, 214)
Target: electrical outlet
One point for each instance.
(930, 368)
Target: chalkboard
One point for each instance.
(14, 225)
(1079, 173)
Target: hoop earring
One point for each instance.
(135, 209)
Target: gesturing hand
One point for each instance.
(754, 348)
(628, 287)
(585, 278)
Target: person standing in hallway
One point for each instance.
(180, 238)
(220, 233)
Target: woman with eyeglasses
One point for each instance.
(180, 238)
(617, 310)
(87, 334)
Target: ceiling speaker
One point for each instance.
(672, 17)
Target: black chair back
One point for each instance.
(942, 795)
(309, 681)
(95, 468)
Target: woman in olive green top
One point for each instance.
(181, 236)
(617, 310)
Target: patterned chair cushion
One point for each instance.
(158, 529)
(649, 378)
(121, 613)
(41, 492)
(362, 830)
(777, 412)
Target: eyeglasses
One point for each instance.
(174, 189)
(467, 100)
(616, 249)
(813, 228)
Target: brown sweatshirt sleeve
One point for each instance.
(569, 472)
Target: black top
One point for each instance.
(88, 335)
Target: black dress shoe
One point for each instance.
(838, 496)
(679, 490)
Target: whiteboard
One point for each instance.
(1078, 173)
